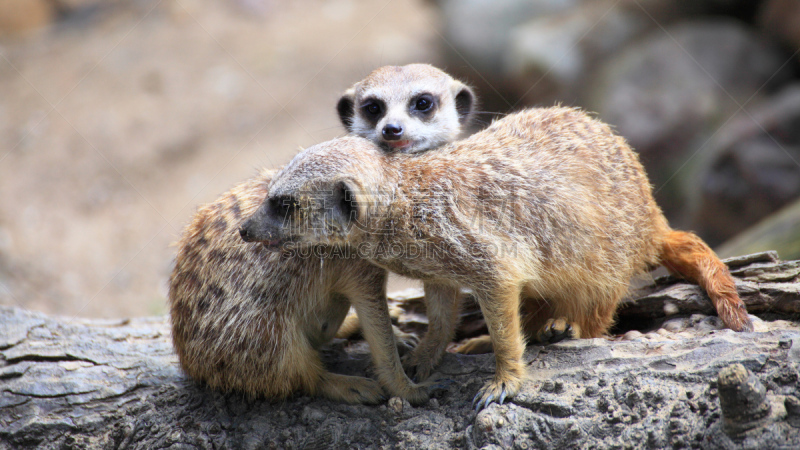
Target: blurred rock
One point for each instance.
(69, 5)
(669, 93)
(478, 30)
(752, 168)
(19, 16)
(780, 231)
(475, 35)
(548, 57)
(781, 19)
(533, 52)
(551, 58)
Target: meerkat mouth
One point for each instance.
(274, 244)
(399, 145)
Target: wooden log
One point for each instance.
(67, 383)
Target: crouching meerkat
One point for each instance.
(252, 320)
(248, 319)
(546, 212)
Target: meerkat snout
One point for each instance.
(392, 132)
(267, 224)
(409, 109)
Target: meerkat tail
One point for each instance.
(687, 255)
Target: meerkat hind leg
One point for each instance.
(352, 326)
(349, 327)
(304, 366)
(350, 389)
(545, 324)
(442, 303)
(376, 326)
(557, 330)
(554, 330)
(476, 346)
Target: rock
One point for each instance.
(534, 52)
(743, 399)
(781, 19)
(475, 39)
(750, 169)
(670, 92)
(779, 230)
(547, 58)
(479, 34)
(792, 405)
(20, 16)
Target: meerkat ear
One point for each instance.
(346, 109)
(465, 102)
(345, 205)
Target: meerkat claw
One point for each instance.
(492, 393)
(556, 330)
(441, 383)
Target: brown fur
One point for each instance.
(252, 320)
(546, 211)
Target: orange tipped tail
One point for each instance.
(687, 255)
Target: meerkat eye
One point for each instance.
(423, 103)
(372, 108)
(283, 207)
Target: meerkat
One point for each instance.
(250, 320)
(546, 212)
(410, 109)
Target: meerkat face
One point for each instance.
(315, 199)
(317, 213)
(410, 108)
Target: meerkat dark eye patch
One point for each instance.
(283, 207)
(423, 105)
(373, 109)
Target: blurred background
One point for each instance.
(119, 117)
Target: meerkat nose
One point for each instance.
(245, 235)
(392, 132)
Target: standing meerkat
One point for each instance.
(251, 320)
(409, 109)
(547, 212)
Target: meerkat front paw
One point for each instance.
(496, 390)
(556, 330)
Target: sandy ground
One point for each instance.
(114, 127)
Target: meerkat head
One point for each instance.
(410, 108)
(319, 197)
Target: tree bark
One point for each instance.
(67, 383)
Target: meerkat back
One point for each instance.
(410, 109)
